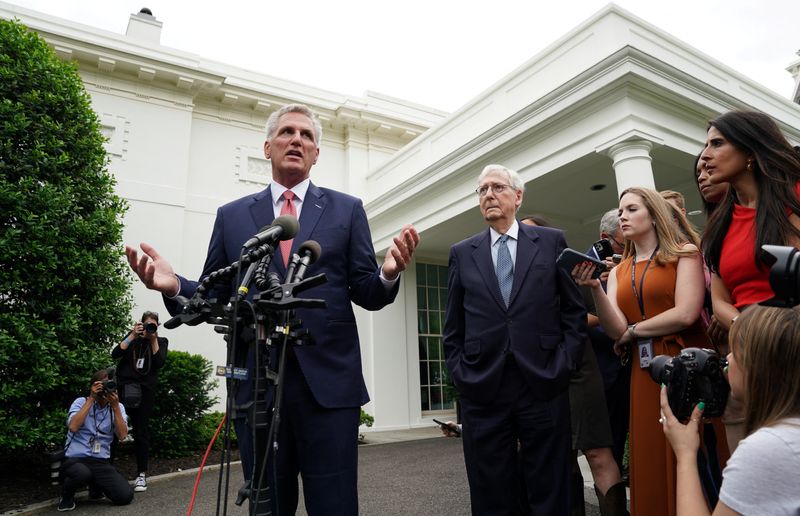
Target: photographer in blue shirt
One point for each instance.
(92, 422)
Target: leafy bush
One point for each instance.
(366, 419)
(183, 396)
(208, 426)
(64, 290)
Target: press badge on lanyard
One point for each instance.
(140, 363)
(645, 352)
(645, 345)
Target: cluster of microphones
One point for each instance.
(282, 228)
(257, 254)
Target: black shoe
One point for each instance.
(67, 503)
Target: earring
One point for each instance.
(749, 165)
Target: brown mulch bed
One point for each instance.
(27, 482)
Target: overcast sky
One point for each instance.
(439, 53)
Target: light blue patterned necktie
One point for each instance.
(505, 269)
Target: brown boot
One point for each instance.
(614, 502)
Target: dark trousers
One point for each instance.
(100, 475)
(139, 419)
(320, 445)
(618, 403)
(490, 435)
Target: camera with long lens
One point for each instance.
(110, 383)
(693, 376)
(56, 458)
(784, 276)
(151, 327)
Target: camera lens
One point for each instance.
(150, 327)
(659, 370)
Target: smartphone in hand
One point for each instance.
(449, 428)
(569, 258)
(603, 248)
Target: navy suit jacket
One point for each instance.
(332, 364)
(544, 326)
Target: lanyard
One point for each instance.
(98, 423)
(143, 349)
(640, 293)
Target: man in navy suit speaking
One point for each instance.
(324, 386)
(515, 328)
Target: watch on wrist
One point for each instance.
(632, 330)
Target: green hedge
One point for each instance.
(177, 425)
(64, 288)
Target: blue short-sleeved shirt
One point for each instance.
(98, 425)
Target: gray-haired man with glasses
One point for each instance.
(514, 329)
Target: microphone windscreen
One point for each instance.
(313, 247)
(289, 225)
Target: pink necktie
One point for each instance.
(287, 209)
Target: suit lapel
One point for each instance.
(527, 249)
(261, 210)
(313, 207)
(263, 213)
(482, 255)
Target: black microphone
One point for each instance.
(248, 276)
(290, 268)
(309, 252)
(283, 228)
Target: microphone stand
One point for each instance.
(275, 304)
(281, 303)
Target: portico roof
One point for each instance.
(613, 79)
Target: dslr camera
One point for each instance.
(150, 327)
(784, 276)
(110, 383)
(693, 376)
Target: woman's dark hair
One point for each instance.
(100, 375)
(776, 170)
(708, 207)
(152, 315)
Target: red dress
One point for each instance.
(746, 283)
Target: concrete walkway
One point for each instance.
(404, 472)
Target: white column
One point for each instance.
(632, 164)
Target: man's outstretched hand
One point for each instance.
(155, 271)
(401, 251)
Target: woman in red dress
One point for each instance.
(747, 150)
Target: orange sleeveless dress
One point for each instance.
(652, 462)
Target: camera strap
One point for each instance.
(639, 295)
(140, 360)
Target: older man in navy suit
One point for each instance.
(324, 387)
(515, 328)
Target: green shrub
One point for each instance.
(208, 426)
(366, 419)
(183, 396)
(64, 289)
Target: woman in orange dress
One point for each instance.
(652, 307)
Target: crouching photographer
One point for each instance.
(92, 421)
(141, 354)
(761, 475)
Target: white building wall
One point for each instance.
(186, 136)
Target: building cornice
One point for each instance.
(235, 89)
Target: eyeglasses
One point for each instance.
(497, 189)
(621, 245)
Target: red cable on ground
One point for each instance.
(203, 463)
